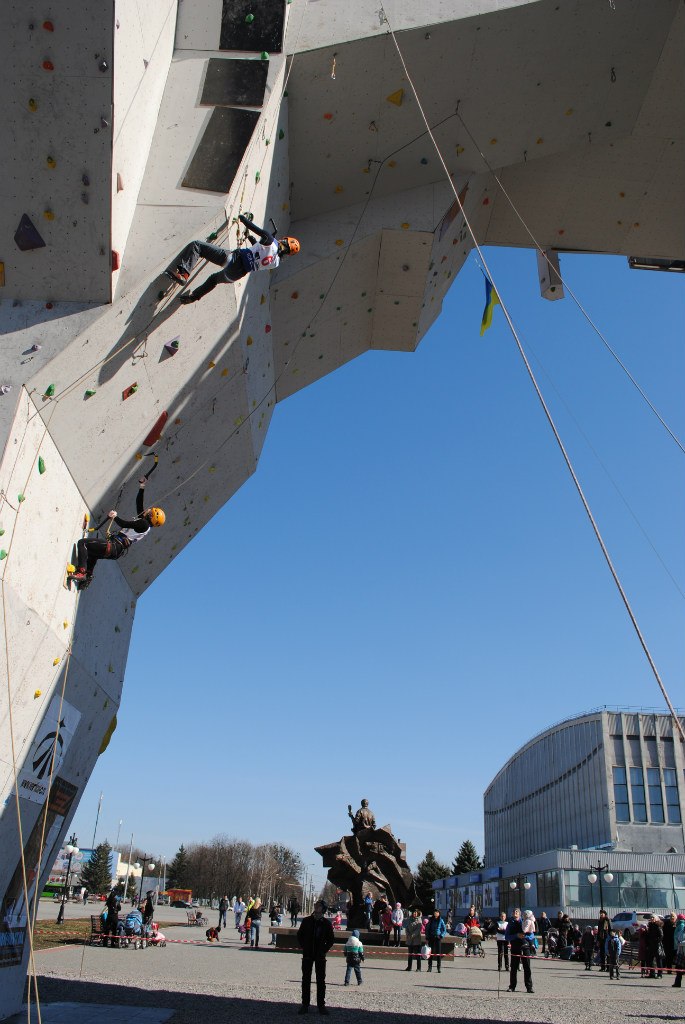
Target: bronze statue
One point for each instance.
(364, 818)
(372, 861)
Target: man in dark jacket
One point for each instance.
(315, 938)
(603, 926)
(520, 952)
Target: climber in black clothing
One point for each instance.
(130, 531)
(264, 253)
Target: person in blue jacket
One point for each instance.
(436, 929)
(520, 952)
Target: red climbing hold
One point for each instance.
(48, 65)
(116, 260)
(156, 432)
(267, 328)
(48, 26)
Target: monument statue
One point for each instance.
(372, 861)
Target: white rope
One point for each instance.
(550, 420)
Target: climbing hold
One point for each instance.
(103, 66)
(328, 117)
(33, 106)
(85, 180)
(51, 162)
(262, 300)
(257, 176)
(213, 236)
(127, 392)
(404, 225)
(139, 456)
(48, 65)
(156, 431)
(41, 464)
(249, 18)
(486, 201)
(538, 142)
(340, 241)
(493, 142)
(49, 391)
(339, 189)
(55, 661)
(172, 346)
(36, 694)
(35, 348)
(211, 469)
(104, 123)
(237, 422)
(89, 392)
(2, 532)
(267, 328)
(392, 163)
(224, 372)
(85, 198)
(21, 497)
(248, 340)
(569, 111)
(396, 97)
(116, 260)
(117, 629)
(295, 295)
(460, 150)
(281, 134)
(211, 364)
(48, 26)
(264, 55)
(3, 555)
(424, 160)
(48, 214)
(26, 236)
(267, 142)
(5, 389)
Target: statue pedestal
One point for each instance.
(286, 942)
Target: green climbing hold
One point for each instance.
(264, 55)
(213, 237)
(256, 178)
(2, 532)
(90, 392)
(249, 18)
(49, 391)
(281, 134)
(267, 141)
(3, 555)
(41, 464)
(20, 498)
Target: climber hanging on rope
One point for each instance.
(264, 253)
(129, 531)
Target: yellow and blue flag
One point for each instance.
(491, 300)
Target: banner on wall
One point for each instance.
(54, 736)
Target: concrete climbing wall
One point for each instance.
(161, 125)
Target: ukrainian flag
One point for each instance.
(491, 300)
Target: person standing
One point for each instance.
(368, 909)
(293, 910)
(612, 953)
(435, 932)
(275, 917)
(315, 938)
(587, 944)
(414, 931)
(397, 922)
(679, 956)
(354, 955)
(520, 952)
(668, 928)
(386, 924)
(113, 905)
(502, 944)
(238, 909)
(655, 947)
(544, 925)
(223, 907)
(255, 912)
(602, 935)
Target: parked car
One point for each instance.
(627, 922)
(184, 904)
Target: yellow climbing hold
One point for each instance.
(36, 694)
(211, 364)
(249, 339)
(55, 662)
(404, 225)
(262, 300)
(396, 97)
(493, 142)
(65, 624)
(48, 214)
(460, 150)
(238, 421)
(211, 469)
(340, 241)
(224, 372)
(139, 456)
(339, 189)
(71, 568)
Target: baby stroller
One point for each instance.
(133, 930)
(474, 942)
(460, 932)
(552, 943)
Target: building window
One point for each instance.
(637, 791)
(549, 893)
(656, 803)
(672, 800)
(621, 795)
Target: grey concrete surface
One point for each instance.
(231, 982)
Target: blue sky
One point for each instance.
(408, 588)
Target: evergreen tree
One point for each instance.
(132, 888)
(179, 870)
(428, 871)
(96, 874)
(467, 859)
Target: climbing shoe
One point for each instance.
(179, 275)
(186, 299)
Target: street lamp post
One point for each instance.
(595, 875)
(145, 860)
(520, 883)
(71, 848)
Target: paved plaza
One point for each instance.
(210, 984)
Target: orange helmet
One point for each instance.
(156, 517)
(290, 245)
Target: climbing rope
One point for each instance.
(579, 304)
(548, 415)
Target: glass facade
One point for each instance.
(549, 890)
(634, 890)
(621, 794)
(637, 792)
(656, 803)
(672, 799)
